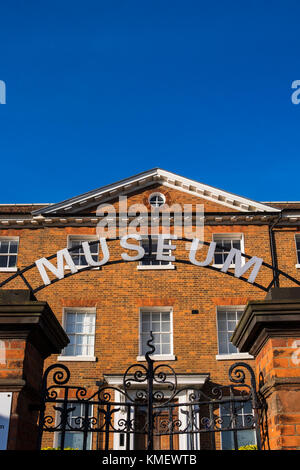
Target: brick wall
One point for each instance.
(278, 364)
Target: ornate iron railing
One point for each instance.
(149, 407)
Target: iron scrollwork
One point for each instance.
(150, 407)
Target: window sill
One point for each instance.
(219, 266)
(77, 358)
(8, 270)
(148, 267)
(83, 267)
(297, 266)
(169, 357)
(233, 357)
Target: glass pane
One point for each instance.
(145, 326)
(165, 317)
(156, 337)
(232, 349)
(227, 440)
(94, 248)
(247, 408)
(71, 318)
(3, 261)
(218, 259)
(246, 437)
(70, 328)
(146, 317)
(154, 246)
(4, 246)
(12, 261)
(72, 339)
(223, 348)
(79, 328)
(155, 316)
(13, 247)
(145, 347)
(231, 316)
(80, 340)
(165, 338)
(223, 343)
(74, 440)
(231, 325)
(76, 259)
(222, 325)
(88, 324)
(165, 326)
(78, 350)
(70, 350)
(222, 315)
(166, 349)
(236, 244)
(155, 326)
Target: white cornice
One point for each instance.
(241, 218)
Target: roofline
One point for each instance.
(280, 202)
(169, 178)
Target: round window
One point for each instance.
(157, 199)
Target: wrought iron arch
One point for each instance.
(21, 272)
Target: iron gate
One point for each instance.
(149, 411)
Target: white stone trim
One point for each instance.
(170, 357)
(77, 358)
(233, 356)
(141, 267)
(8, 270)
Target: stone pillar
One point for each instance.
(270, 331)
(29, 333)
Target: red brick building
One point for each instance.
(109, 311)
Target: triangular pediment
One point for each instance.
(143, 181)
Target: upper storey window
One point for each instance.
(157, 200)
(224, 244)
(78, 254)
(8, 253)
(149, 260)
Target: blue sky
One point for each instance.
(101, 90)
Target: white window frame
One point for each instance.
(10, 238)
(230, 356)
(297, 265)
(81, 238)
(157, 194)
(157, 357)
(145, 267)
(79, 358)
(230, 236)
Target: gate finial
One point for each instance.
(149, 343)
